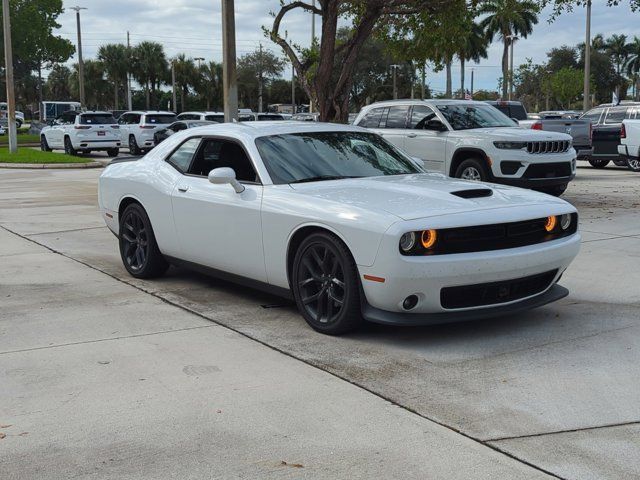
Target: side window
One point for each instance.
(134, 119)
(593, 115)
(223, 153)
(123, 120)
(420, 115)
(181, 158)
(372, 119)
(397, 117)
(615, 115)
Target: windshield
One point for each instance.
(97, 119)
(160, 119)
(299, 157)
(215, 118)
(467, 117)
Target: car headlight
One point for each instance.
(565, 221)
(510, 145)
(407, 241)
(428, 238)
(552, 221)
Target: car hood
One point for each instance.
(410, 197)
(522, 134)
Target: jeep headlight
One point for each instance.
(510, 145)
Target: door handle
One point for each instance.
(183, 189)
(412, 135)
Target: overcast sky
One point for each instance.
(193, 27)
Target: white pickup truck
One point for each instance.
(629, 147)
(474, 141)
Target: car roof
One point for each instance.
(152, 112)
(253, 130)
(429, 101)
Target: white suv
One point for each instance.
(217, 117)
(138, 128)
(84, 132)
(474, 141)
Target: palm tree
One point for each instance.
(633, 64)
(473, 47)
(505, 18)
(95, 84)
(209, 84)
(115, 58)
(617, 48)
(57, 85)
(149, 67)
(186, 74)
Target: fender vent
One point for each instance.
(474, 193)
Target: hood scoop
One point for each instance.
(473, 193)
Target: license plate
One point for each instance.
(101, 134)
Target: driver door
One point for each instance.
(216, 226)
(427, 145)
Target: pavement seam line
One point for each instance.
(107, 339)
(290, 355)
(62, 231)
(558, 432)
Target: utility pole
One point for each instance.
(80, 63)
(472, 72)
(8, 63)
(199, 60)
(129, 99)
(229, 74)
(424, 75)
(173, 87)
(587, 60)
(313, 39)
(394, 67)
(260, 80)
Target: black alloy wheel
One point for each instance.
(633, 163)
(134, 149)
(44, 145)
(326, 285)
(138, 248)
(68, 147)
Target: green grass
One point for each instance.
(22, 139)
(30, 155)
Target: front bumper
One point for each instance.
(376, 315)
(426, 276)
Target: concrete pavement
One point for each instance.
(564, 376)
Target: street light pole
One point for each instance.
(173, 87)
(394, 67)
(587, 61)
(229, 74)
(313, 38)
(199, 60)
(80, 63)
(512, 40)
(129, 99)
(8, 62)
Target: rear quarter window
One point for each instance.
(97, 119)
(160, 119)
(372, 118)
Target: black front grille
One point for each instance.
(493, 293)
(548, 170)
(549, 146)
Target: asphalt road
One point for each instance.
(548, 394)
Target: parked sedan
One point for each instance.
(161, 135)
(337, 218)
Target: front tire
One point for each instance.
(68, 147)
(113, 152)
(44, 145)
(472, 169)
(326, 285)
(598, 163)
(134, 149)
(138, 247)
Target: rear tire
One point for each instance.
(472, 169)
(44, 145)
(556, 190)
(134, 149)
(68, 147)
(326, 284)
(633, 163)
(620, 163)
(113, 152)
(599, 163)
(138, 247)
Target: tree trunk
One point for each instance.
(505, 69)
(148, 95)
(462, 92)
(182, 100)
(116, 95)
(448, 93)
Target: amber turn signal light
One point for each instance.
(551, 223)
(429, 238)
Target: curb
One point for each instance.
(52, 166)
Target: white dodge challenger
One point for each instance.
(341, 221)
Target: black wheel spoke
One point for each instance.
(311, 298)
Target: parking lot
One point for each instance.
(105, 375)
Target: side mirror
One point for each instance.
(223, 175)
(418, 162)
(517, 122)
(435, 124)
